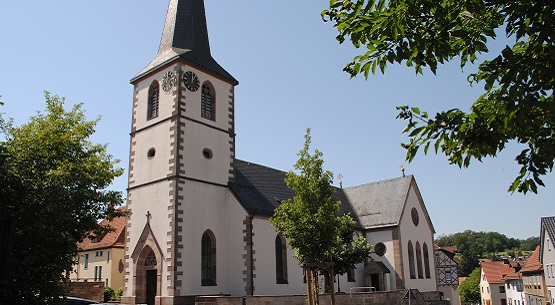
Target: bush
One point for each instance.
(109, 294)
(119, 293)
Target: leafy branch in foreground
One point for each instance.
(517, 104)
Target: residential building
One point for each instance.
(534, 282)
(547, 257)
(199, 221)
(101, 259)
(514, 286)
(446, 273)
(492, 282)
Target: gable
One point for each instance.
(547, 234)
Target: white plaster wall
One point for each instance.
(548, 259)
(513, 293)
(265, 262)
(484, 288)
(196, 138)
(150, 169)
(154, 199)
(386, 237)
(211, 207)
(422, 233)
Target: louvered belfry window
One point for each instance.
(207, 103)
(153, 100)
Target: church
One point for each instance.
(199, 222)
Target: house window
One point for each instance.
(108, 256)
(281, 260)
(411, 261)
(501, 289)
(426, 261)
(437, 258)
(503, 302)
(448, 276)
(419, 260)
(208, 259)
(97, 273)
(208, 102)
(153, 101)
(86, 261)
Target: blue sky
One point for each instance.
(289, 68)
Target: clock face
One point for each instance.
(414, 215)
(191, 81)
(169, 81)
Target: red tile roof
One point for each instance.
(533, 263)
(495, 272)
(114, 239)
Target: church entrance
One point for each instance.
(375, 281)
(151, 279)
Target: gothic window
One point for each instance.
(208, 259)
(208, 102)
(419, 260)
(426, 261)
(153, 100)
(281, 260)
(411, 261)
(150, 259)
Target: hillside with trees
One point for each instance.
(473, 246)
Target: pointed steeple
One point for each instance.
(186, 36)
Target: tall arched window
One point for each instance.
(208, 102)
(419, 261)
(411, 260)
(208, 259)
(281, 260)
(426, 261)
(153, 100)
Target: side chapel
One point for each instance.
(199, 216)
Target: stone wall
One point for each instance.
(86, 290)
(392, 297)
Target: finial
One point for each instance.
(148, 215)
(402, 170)
(340, 177)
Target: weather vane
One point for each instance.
(340, 177)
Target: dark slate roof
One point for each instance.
(547, 227)
(260, 189)
(185, 36)
(380, 204)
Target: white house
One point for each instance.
(547, 256)
(199, 216)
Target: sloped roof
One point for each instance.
(547, 227)
(533, 263)
(495, 272)
(380, 204)
(185, 36)
(114, 239)
(260, 189)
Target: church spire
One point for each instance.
(185, 36)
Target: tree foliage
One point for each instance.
(517, 103)
(472, 246)
(54, 186)
(469, 290)
(311, 220)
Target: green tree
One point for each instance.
(312, 223)
(517, 104)
(469, 290)
(57, 182)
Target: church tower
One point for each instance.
(182, 152)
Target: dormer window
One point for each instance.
(208, 102)
(153, 100)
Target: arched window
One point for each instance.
(426, 261)
(281, 260)
(208, 259)
(208, 102)
(419, 260)
(411, 261)
(153, 100)
(150, 259)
